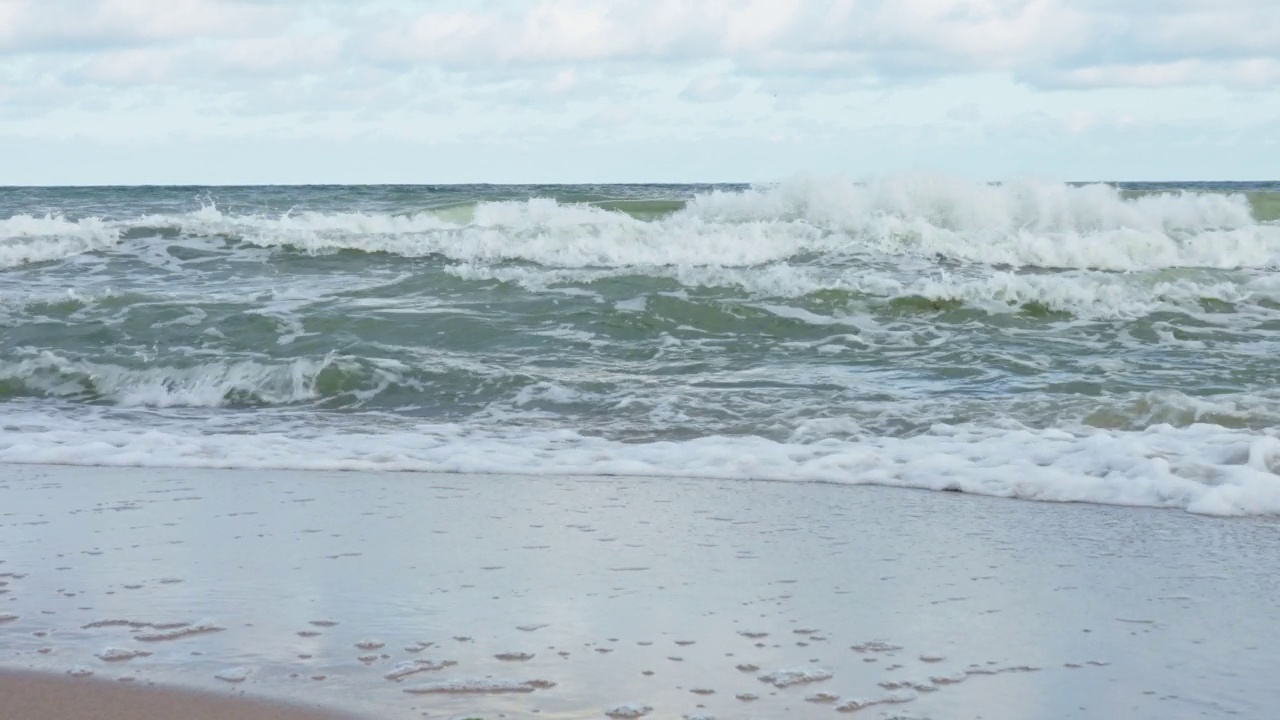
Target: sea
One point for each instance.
(1072, 342)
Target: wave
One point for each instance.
(1022, 224)
(614, 402)
(236, 383)
(1200, 468)
(28, 239)
(1082, 294)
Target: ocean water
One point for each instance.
(1102, 343)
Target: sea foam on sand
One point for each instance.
(391, 595)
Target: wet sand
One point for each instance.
(395, 595)
(31, 696)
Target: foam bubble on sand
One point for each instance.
(1001, 670)
(822, 697)
(795, 676)
(178, 633)
(479, 686)
(891, 699)
(134, 624)
(932, 657)
(917, 685)
(514, 656)
(370, 644)
(79, 671)
(115, 654)
(7, 617)
(875, 646)
(747, 697)
(234, 675)
(413, 667)
(628, 710)
(951, 679)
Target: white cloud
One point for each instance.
(711, 88)
(792, 73)
(130, 66)
(301, 54)
(1048, 43)
(612, 116)
(966, 113)
(1250, 74)
(77, 25)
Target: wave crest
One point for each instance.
(1018, 224)
(1201, 468)
(29, 239)
(213, 384)
(1024, 223)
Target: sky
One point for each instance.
(510, 91)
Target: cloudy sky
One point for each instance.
(260, 91)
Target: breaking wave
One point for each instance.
(1026, 224)
(27, 239)
(1200, 468)
(229, 383)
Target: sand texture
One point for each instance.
(31, 696)
(398, 594)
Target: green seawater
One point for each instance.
(809, 312)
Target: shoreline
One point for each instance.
(389, 595)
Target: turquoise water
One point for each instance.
(1061, 342)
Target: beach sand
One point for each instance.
(31, 696)
(405, 595)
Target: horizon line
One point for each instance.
(52, 186)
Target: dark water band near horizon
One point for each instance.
(1111, 343)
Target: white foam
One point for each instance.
(893, 698)
(210, 384)
(876, 646)
(514, 656)
(1199, 467)
(795, 676)
(479, 685)
(1089, 294)
(628, 710)
(1023, 223)
(29, 239)
(115, 654)
(234, 675)
(178, 633)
